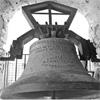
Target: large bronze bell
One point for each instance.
(53, 71)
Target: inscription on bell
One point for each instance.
(55, 59)
(51, 54)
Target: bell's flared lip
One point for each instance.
(84, 89)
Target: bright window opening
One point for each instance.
(60, 19)
(80, 26)
(56, 17)
(42, 19)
